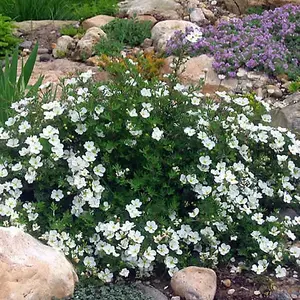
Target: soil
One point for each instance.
(46, 36)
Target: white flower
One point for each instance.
(17, 167)
(146, 92)
(194, 213)
(151, 226)
(106, 275)
(81, 129)
(12, 143)
(132, 113)
(194, 36)
(260, 267)
(86, 76)
(189, 131)
(145, 113)
(150, 254)
(224, 249)
(205, 160)
(24, 126)
(133, 250)
(208, 143)
(99, 170)
(171, 262)
(89, 262)
(157, 134)
(124, 272)
(57, 195)
(133, 211)
(295, 251)
(162, 250)
(280, 272)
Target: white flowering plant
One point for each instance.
(132, 175)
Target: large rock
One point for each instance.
(62, 46)
(85, 47)
(288, 116)
(97, 21)
(200, 68)
(164, 30)
(194, 283)
(30, 270)
(168, 9)
(240, 6)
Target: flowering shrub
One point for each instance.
(134, 175)
(269, 42)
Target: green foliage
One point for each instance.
(111, 292)
(257, 10)
(130, 32)
(13, 87)
(295, 86)
(7, 40)
(109, 46)
(21, 10)
(89, 8)
(72, 30)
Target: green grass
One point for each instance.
(21, 10)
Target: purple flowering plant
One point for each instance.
(269, 42)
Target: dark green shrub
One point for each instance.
(109, 47)
(7, 40)
(130, 32)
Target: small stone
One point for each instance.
(294, 296)
(226, 283)
(93, 61)
(231, 292)
(274, 91)
(147, 18)
(45, 57)
(208, 14)
(62, 46)
(175, 298)
(280, 295)
(147, 43)
(197, 15)
(43, 51)
(26, 45)
(151, 292)
(195, 283)
(256, 293)
(149, 50)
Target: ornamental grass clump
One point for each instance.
(269, 42)
(133, 176)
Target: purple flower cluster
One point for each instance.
(256, 42)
